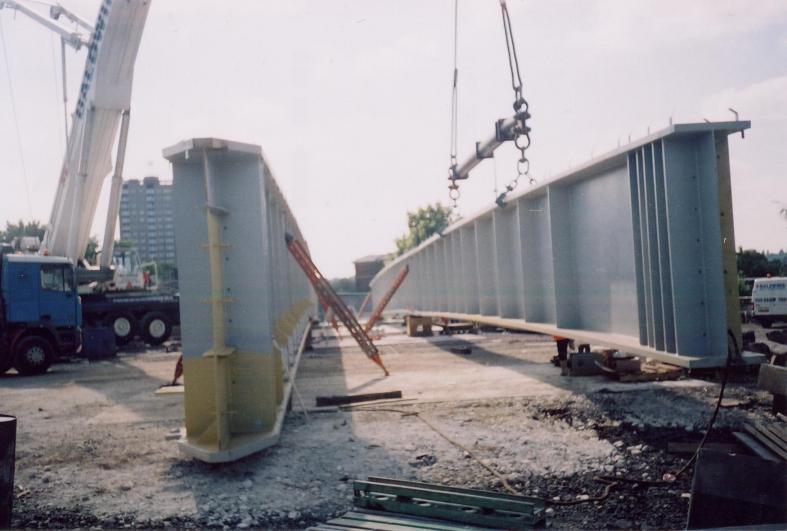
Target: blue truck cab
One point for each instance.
(40, 312)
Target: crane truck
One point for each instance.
(101, 116)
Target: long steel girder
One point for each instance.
(245, 305)
(634, 250)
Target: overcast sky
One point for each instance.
(350, 100)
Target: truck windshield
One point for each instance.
(56, 278)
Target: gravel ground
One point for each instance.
(95, 450)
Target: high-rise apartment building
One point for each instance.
(146, 219)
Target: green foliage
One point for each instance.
(90, 251)
(343, 284)
(754, 264)
(124, 244)
(14, 230)
(424, 222)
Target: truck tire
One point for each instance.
(6, 360)
(33, 355)
(765, 322)
(156, 328)
(124, 326)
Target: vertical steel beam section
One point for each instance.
(566, 313)
(508, 271)
(634, 250)
(485, 266)
(238, 373)
(536, 249)
(663, 248)
(654, 282)
(638, 255)
(456, 262)
(450, 278)
(695, 250)
(469, 268)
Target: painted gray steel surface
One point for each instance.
(624, 251)
(261, 281)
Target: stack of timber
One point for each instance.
(767, 440)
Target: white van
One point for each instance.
(769, 296)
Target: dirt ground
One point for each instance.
(96, 447)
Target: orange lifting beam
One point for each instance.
(378, 311)
(329, 298)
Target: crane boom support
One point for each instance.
(104, 96)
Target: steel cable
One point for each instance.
(16, 121)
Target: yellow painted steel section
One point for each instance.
(233, 397)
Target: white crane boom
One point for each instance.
(104, 101)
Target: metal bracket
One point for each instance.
(479, 154)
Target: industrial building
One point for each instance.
(146, 218)
(366, 268)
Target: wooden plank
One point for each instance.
(765, 439)
(779, 429)
(651, 372)
(771, 434)
(755, 446)
(341, 400)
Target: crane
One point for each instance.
(100, 122)
(102, 108)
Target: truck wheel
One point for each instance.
(765, 322)
(33, 355)
(156, 328)
(124, 326)
(6, 361)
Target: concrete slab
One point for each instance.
(423, 368)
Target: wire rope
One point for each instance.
(16, 120)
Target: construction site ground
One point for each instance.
(96, 447)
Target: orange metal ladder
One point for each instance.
(329, 298)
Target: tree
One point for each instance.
(343, 284)
(124, 244)
(754, 264)
(14, 230)
(424, 222)
(90, 251)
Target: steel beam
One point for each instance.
(244, 304)
(633, 250)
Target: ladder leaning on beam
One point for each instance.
(378, 311)
(329, 298)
